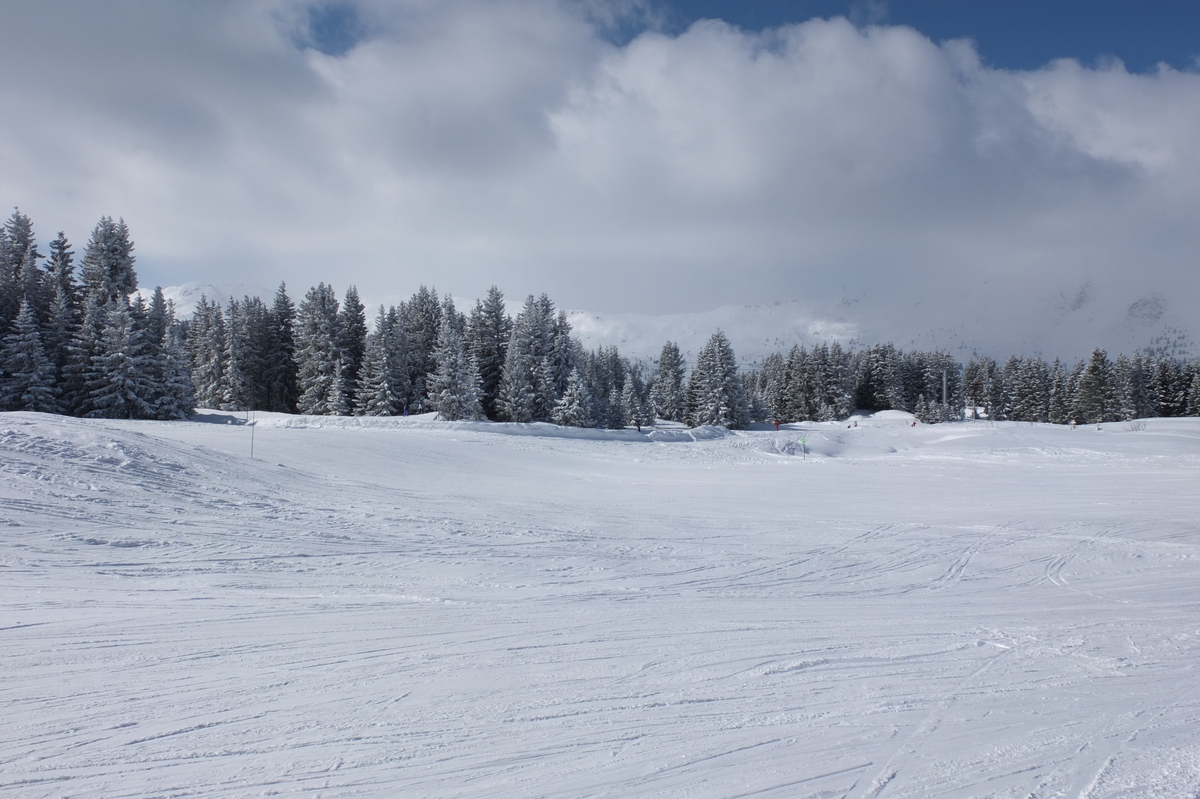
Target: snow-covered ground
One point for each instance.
(401, 607)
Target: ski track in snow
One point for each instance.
(401, 607)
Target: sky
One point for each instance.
(1004, 158)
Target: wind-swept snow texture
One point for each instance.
(407, 608)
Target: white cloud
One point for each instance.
(467, 143)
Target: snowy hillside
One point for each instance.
(403, 607)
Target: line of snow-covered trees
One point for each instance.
(829, 382)
(1095, 390)
(87, 344)
(321, 357)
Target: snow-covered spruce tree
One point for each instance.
(60, 269)
(62, 324)
(1093, 394)
(804, 389)
(836, 391)
(207, 348)
(454, 388)
(759, 411)
(636, 399)
(715, 392)
(108, 260)
(79, 374)
(17, 246)
(169, 371)
(353, 323)
(1167, 392)
(239, 362)
(1193, 401)
(878, 384)
(1129, 387)
(34, 284)
(422, 322)
(983, 387)
(574, 407)
(121, 385)
(670, 396)
(280, 369)
(562, 356)
(16, 239)
(516, 400)
(338, 400)
(603, 375)
(618, 412)
(771, 388)
(526, 385)
(940, 373)
(1008, 384)
(398, 346)
(10, 298)
(175, 400)
(247, 328)
(318, 354)
(1058, 404)
(488, 332)
(1030, 391)
(20, 278)
(63, 314)
(377, 393)
(256, 342)
(27, 377)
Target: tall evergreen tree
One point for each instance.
(207, 348)
(878, 385)
(1193, 400)
(107, 264)
(318, 352)
(670, 397)
(337, 398)
(523, 396)
(1168, 395)
(422, 322)
(79, 372)
(574, 407)
(715, 392)
(488, 332)
(16, 240)
(1093, 394)
(17, 248)
(27, 377)
(61, 268)
(280, 367)
(353, 319)
(176, 399)
(377, 393)
(454, 388)
(1059, 402)
(121, 385)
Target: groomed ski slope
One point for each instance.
(409, 608)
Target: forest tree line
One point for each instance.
(85, 342)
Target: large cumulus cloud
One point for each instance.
(510, 141)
